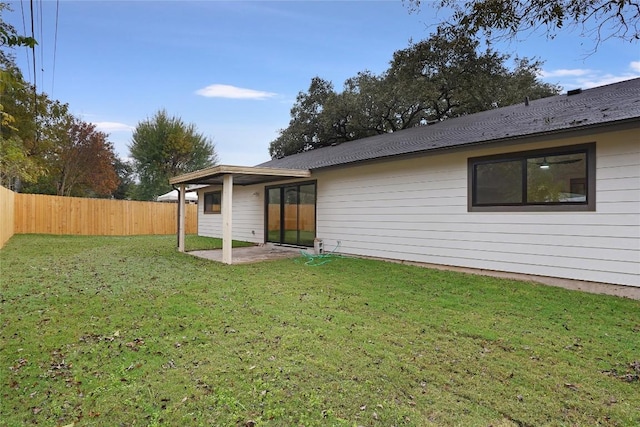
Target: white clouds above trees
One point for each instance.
(233, 92)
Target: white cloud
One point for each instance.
(576, 72)
(113, 127)
(604, 79)
(586, 78)
(233, 92)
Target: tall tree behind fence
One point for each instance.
(38, 213)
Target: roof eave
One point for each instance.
(204, 176)
(534, 137)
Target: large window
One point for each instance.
(558, 179)
(212, 202)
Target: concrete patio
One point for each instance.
(251, 254)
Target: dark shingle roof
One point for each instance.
(600, 106)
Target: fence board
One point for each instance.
(296, 216)
(39, 213)
(7, 223)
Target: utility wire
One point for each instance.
(40, 19)
(55, 48)
(24, 31)
(33, 50)
(35, 90)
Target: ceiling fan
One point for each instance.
(545, 164)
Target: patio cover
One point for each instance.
(228, 176)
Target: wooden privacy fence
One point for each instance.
(296, 217)
(7, 224)
(38, 213)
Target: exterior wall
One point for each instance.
(248, 214)
(416, 210)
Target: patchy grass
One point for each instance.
(201, 243)
(104, 331)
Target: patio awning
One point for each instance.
(228, 176)
(242, 175)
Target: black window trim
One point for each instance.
(204, 209)
(590, 205)
(282, 186)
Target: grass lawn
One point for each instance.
(110, 331)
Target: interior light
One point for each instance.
(544, 166)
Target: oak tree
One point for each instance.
(598, 20)
(446, 75)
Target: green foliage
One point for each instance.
(77, 160)
(15, 164)
(8, 34)
(596, 19)
(83, 161)
(163, 147)
(23, 151)
(126, 182)
(441, 77)
(45, 149)
(12, 40)
(107, 331)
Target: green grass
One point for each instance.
(109, 331)
(201, 243)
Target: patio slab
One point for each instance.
(251, 254)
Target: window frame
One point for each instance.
(588, 149)
(212, 194)
(282, 188)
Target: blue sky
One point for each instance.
(234, 68)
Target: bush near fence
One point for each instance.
(44, 214)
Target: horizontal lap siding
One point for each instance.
(248, 215)
(209, 225)
(416, 210)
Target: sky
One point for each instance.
(234, 68)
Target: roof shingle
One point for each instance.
(600, 106)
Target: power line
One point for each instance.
(33, 50)
(35, 87)
(55, 48)
(40, 19)
(24, 31)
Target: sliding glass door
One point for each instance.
(291, 214)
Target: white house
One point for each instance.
(549, 187)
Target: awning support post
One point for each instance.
(227, 209)
(181, 219)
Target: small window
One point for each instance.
(555, 179)
(212, 202)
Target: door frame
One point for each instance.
(282, 187)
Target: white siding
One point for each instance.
(416, 210)
(248, 215)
